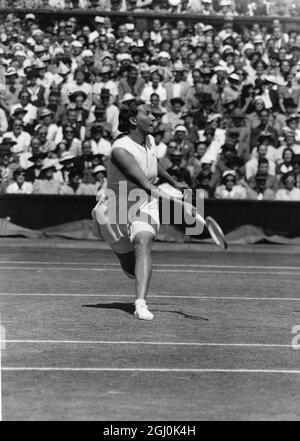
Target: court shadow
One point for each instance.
(183, 314)
(129, 309)
(126, 307)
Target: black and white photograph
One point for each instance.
(149, 213)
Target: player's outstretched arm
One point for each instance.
(131, 169)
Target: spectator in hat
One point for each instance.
(177, 171)
(73, 144)
(195, 161)
(145, 72)
(288, 141)
(25, 103)
(133, 84)
(191, 126)
(79, 183)
(285, 164)
(216, 89)
(78, 99)
(20, 136)
(258, 8)
(109, 112)
(36, 89)
(193, 74)
(19, 185)
(203, 180)
(23, 157)
(280, 39)
(289, 192)
(164, 57)
(238, 126)
(84, 161)
(10, 95)
(232, 90)
(185, 146)
(229, 104)
(45, 77)
(195, 96)
(292, 124)
(46, 119)
(269, 93)
(174, 117)
(260, 191)
(263, 169)
(158, 124)
(99, 145)
(256, 104)
(288, 107)
(33, 172)
(156, 106)
(160, 146)
(229, 188)
(87, 184)
(78, 84)
(41, 132)
(18, 113)
(224, 162)
(99, 174)
(105, 83)
(289, 91)
(178, 87)
(67, 161)
(265, 138)
(155, 33)
(55, 106)
(71, 118)
(206, 7)
(205, 110)
(155, 86)
(264, 127)
(47, 184)
(59, 150)
(251, 166)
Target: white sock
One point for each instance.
(140, 302)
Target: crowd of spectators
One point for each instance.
(226, 104)
(285, 8)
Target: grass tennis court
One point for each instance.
(219, 346)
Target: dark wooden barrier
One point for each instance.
(39, 211)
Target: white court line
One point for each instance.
(191, 370)
(150, 343)
(161, 296)
(175, 265)
(36, 268)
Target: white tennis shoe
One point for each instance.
(141, 310)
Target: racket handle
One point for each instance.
(200, 219)
(189, 209)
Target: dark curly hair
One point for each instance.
(127, 112)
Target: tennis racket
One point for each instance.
(210, 223)
(216, 232)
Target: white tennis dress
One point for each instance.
(117, 216)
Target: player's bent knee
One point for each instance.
(143, 241)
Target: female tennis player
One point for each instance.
(132, 170)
